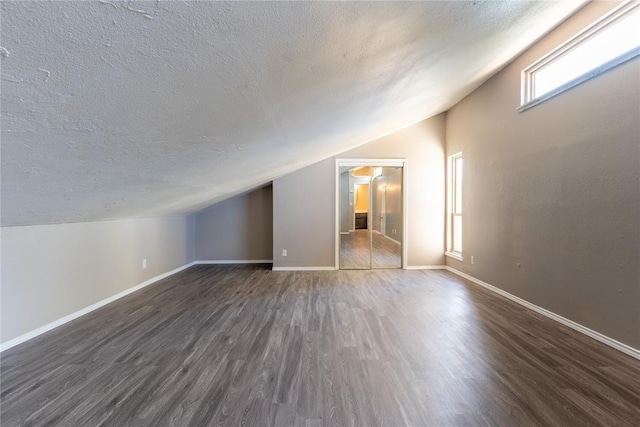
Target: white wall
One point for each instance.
(552, 195)
(304, 201)
(51, 271)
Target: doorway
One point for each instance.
(370, 214)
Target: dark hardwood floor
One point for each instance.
(244, 345)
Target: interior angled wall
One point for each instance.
(238, 229)
(552, 195)
(303, 217)
(304, 201)
(52, 271)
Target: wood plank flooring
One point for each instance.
(244, 345)
(355, 248)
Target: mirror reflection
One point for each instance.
(370, 206)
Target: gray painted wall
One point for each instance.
(304, 215)
(346, 208)
(552, 195)
(240, 228)
(51, 271)
(304, 201)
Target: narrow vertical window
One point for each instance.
(454, 220)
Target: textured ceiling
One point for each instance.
(123, 109)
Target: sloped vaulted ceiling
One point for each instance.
(121, 109)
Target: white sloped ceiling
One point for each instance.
(124, 109)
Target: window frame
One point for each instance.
(527, 75)
(453, 210)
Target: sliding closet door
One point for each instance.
(370, 216)
(386, 217)
(355, 242)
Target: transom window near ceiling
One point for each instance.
(608, 42)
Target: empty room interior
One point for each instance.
(320, 213)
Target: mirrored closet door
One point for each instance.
(370, 207)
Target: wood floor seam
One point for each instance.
(230, 345)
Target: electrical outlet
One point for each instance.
(144, 263)
(473, 261)
(284, 252)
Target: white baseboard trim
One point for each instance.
(344, 232)
(234, 261)
(49, 326)
(426, 267)
(633, 352)
(409, 267)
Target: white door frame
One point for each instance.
(383, 212)
(405, 197)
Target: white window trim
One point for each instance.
(527, 74)
(450, 194)
(454, 255)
